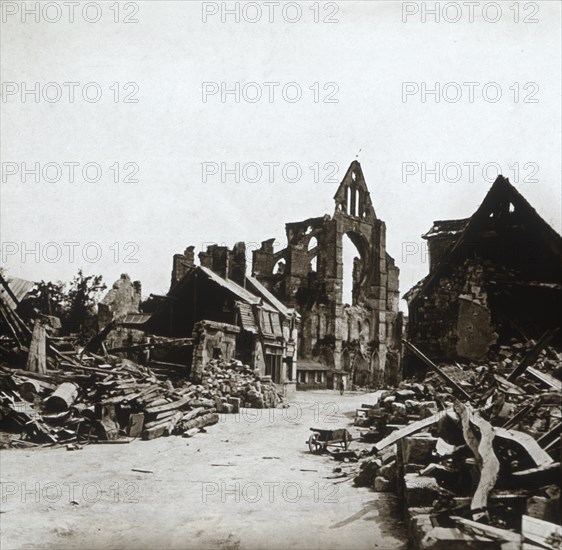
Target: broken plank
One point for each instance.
(169, 406)
(487, 530)
(541, 532)
(193, 413)
(165, 428)
(410, 429)
(522, 413)
(532, 356)
(545, 378)
(550, 436)
(526, 443)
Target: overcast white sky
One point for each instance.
(369, 53)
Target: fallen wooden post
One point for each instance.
(456, 388)
(487, 530)
(37, 358)
(532, 356)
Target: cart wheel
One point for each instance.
(314, 445)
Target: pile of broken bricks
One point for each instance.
(473, 452)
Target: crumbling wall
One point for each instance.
(124, 297)
(212, 341)
(228, 264)
(453, 318)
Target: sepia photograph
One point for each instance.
(280, 275)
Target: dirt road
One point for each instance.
(249, 483)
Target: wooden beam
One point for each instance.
(550, 436)
(410, 429)
(526, 443)
(456, 388)
(541, 532)
(545, 378)
(533, 354)
(487, 530)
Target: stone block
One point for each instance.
(236, 403)
(418, 449)
(420, 490)
(383, 485)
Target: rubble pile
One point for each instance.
(88, 398)
(473, 452)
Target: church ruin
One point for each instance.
(361, 338)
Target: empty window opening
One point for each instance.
(314, 264)
(350, 258)
(279, 267)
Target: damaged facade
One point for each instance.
(493, 277)
(361, 338)
(229, 314)
(254, 318)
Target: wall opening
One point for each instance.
(279, 267)
(351, 272)
(314, 264)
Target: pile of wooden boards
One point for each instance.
(473, 452)
(85, 397)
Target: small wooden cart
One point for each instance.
(320, 440)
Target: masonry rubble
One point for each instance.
(55, 392)
(469, 440)
(481, 471)
(492, 277)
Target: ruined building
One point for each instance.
(361, 338)
(292, 305)
(229, 314)
(492, 277)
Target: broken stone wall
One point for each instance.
(212, 341)
(453, 318)
(124, 297)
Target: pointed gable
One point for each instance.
(353, 197)
(506, 216)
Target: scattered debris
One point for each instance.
(478, 469)
(83, 397)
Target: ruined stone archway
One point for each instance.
(373, 276)
(353, 266)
